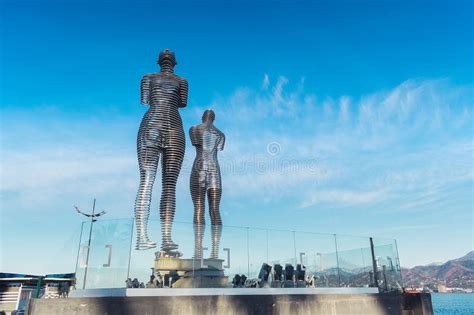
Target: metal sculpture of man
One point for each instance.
(161, 134)
(206, 180)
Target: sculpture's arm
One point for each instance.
(221, 143)
(183, 92)
(193, 135)
(145, 90)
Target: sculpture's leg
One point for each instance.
(172, 161)
(148, 158)
(216, 231)
(198, 195)
(199, 230)
(214, 198)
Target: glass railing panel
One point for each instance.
(317, 253)
(234, 253)
(259, 255)
(232, 256)
(282, 257)
(221, 252)
(387, 264)
(194, 242)
(396, 259)
(104, 264)
(355, 261)
(142, 261)
(82, 255)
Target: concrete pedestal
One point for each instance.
(192, 273)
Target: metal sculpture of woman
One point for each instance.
(206, 180)
(161, 134)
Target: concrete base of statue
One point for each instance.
(191, 273)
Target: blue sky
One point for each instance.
(369, 103)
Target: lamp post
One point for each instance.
(93, 217)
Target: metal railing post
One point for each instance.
(374, 263)
(337, 262)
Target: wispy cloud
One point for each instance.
(343, 197)
(406, 228)
(265, 82)
(397, 144)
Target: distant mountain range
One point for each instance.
(456, 273)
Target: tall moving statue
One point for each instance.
(206, 179)
(161, 134)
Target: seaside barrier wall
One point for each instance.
(321, 304)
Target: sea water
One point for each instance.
(453, 303)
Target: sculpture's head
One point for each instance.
(167, 58)
(208, 116)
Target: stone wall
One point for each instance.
(321, 304)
